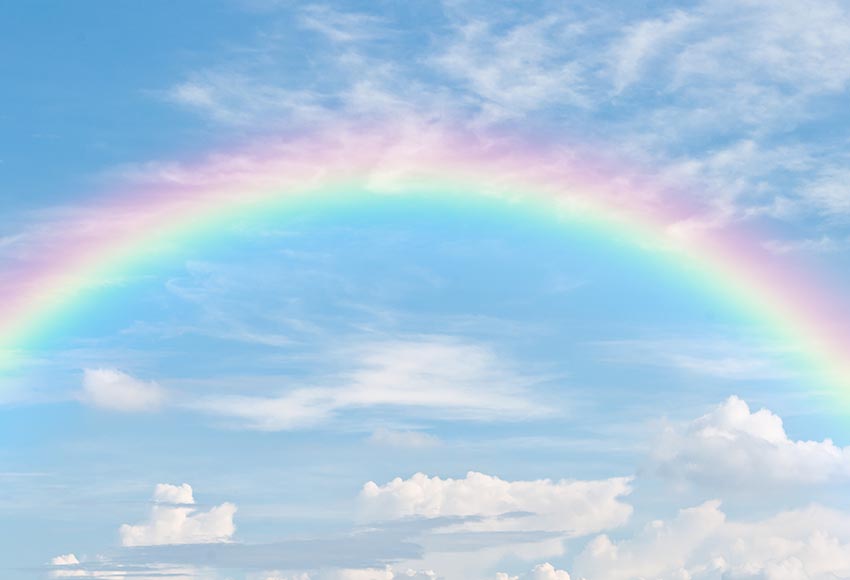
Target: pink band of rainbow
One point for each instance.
(60, 258)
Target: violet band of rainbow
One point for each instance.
(65, 257)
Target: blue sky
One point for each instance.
(413, 387)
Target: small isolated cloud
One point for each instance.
(174, 520)
(66, 566)
(734, 445)
(117, 391)
(572, 507)
(411, 439)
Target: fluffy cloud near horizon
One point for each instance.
(702, 544)
(117, 391)
(174, 520)
(733, 445)
(545, 571)
(573, 508)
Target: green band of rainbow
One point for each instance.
(69, 255)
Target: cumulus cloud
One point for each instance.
(174, 520)
(702, 544)
(66, 566)
(732, 444)
(117, 391)
(545, 571)
(572, 507)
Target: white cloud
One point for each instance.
(727, 82)
(782, 42)
(572, 507)
(434, 375)
(641, 42)
(517, 70)
(174, 520)
(822, 245)
(117, 391)
(754, 63)
(545, 571)
(707, 75)
(66, 566)
(701, 544)
(735, 446)
(829, 191)
(339, 26)
(236, 98)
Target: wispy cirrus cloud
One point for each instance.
(339, 26)
(512, 71)
(428, 376)
(440, 377)
(236, 98)
(713, 357)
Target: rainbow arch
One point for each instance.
(69, 254)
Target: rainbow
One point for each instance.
(60, 258)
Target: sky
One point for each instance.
(425, 290)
